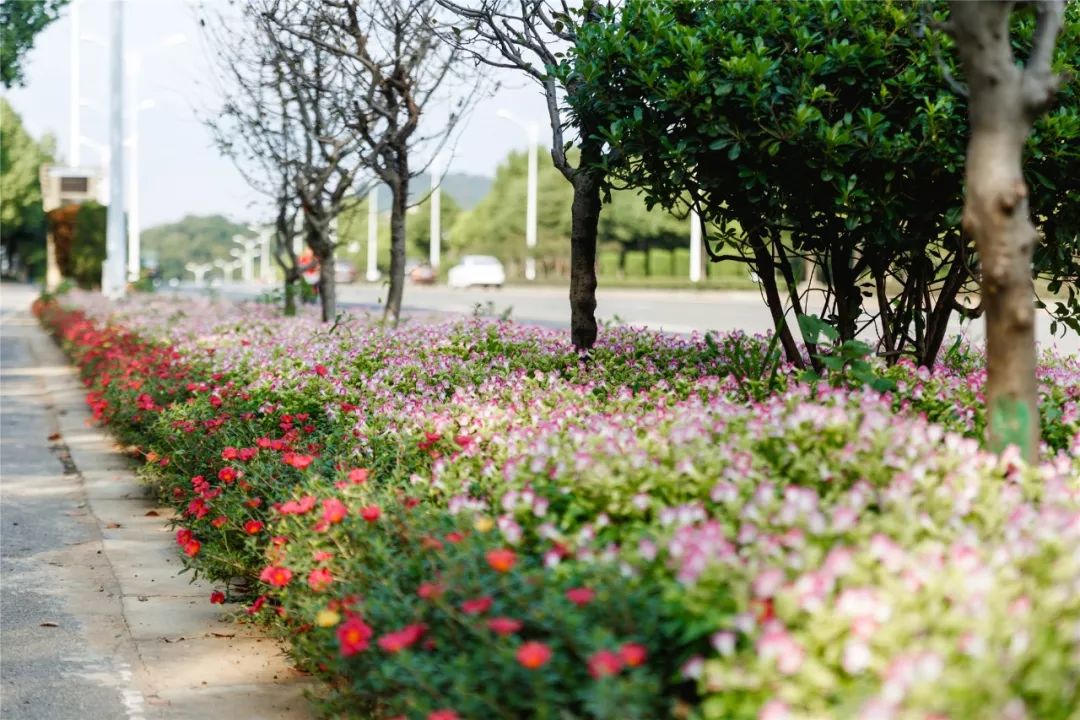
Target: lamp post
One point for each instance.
(227, 267)
(74, 127)
(695, 247)
(199, 270)
(245, 254)
(435, 206)
(532, 129)
(266, 236)
(372, 274)
(112, 271)
(134, 64)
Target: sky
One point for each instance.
(180, 171)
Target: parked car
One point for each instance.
(344, 272)
(477, 270)
(422, 274)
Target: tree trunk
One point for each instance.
(328, 288)
(399, 191)
(766, 270)
(1004, 101)
(290, 297)
(585, 216)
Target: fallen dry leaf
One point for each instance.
(152, 513)
(49, 624)
(54, 436)
(112, 525)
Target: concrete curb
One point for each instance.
(187, 658)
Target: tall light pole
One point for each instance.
(134, 63)
(695, 247)
(199, 270)
(372, 274)
(246, 255)
(435, 206)
(112, 270)
(532, 129)
(266, 236)
(74, 128)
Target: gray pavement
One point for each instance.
(95, 621)
(674, 311)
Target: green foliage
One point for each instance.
(20, 22)
(199, 239)
(88, 246)
(821, 130)
(22, 219)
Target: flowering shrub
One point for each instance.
(467, 520)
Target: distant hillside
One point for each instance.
(194, 238)
(467, 190)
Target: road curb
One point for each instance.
(184, 658)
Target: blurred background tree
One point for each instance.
(20, 22)
(22, 219)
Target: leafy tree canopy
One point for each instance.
(826, 131)
(22, 220)
(195, 238)
(20, 22)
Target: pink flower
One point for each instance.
(768, 583)
(358, 476)
(477, 606)
(775, 643)
(443, 715)
(370, 513)
(603, 663)
(321, 555)
(504, 625)
(319, 579)
(397, 641)
(580, 596)
(334, 511)
(430, 590)
(633, 654)
(353, 636)
(276, 575)
(230, 453)
(774, 710)
(533, 654)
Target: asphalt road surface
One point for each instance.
(675, 311)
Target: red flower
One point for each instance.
(321, 555)
(431, 543)
(276, 575)
(257, 605)
(397, 641)
(217, 597)
(533, 654)
(454, 537)
(298, 507)
(319, 579)
(321, 370)
(504, 625)
(227, 475)
(252, 527)
(353, 636)
(501, 560)
(219, 521)
(633, 654)
(370, 513)
(334, 511)
(248, 453)
(580, 596)
(229, 453)
(297, 461)
(476, 606)
(264, 443)
(443, 715)
(183, 536)
(358, 476)
(604, 663)
(192, 547)
(430, 590)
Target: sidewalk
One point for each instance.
(96, 623)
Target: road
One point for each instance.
(675, 311)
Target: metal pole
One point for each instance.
(695, 247)
(112, 280)
(265, 236)
(530, 205)
(74, 130)
(373, 234)
(134, 264)
(435, 206)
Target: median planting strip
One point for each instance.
(465, 519)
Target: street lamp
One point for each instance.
(532, 129)
(245, 254)
(372, 274)
(227, 267)
(437, 168)
(199, 270)
(134, 67)
(695, 247)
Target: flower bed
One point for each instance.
(463, 519)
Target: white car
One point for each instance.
(473, 270)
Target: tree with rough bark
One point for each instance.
(1004, 101)
(394, 71)
(531, 36)
(283, 126)
(20, 23)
